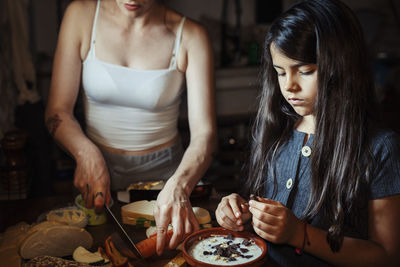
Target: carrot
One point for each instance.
(147, 247)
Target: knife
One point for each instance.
(124, 235)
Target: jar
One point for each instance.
(14, 174)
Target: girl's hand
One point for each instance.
(276, 223)
(173, 206)
(92, 180)
(232, 212)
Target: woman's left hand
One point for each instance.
(173, 206)
(275, 222)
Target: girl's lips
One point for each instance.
(296, 101)
(131, 7)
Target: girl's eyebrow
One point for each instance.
(294, 65)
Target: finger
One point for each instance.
(264, 216)
(108, 196)
(269, 207)
(235, 206)
(88, 197)
(265, 235)
(226, 219)
(99, 201)
(162, 219)
(264, 226)
(269, 201)
(180, 215)
(193, 223)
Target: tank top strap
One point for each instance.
(93, 37)
(177, 44)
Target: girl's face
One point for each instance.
(297, 81)
(135, 8)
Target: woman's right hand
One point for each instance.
(232, 212)
(93, 180)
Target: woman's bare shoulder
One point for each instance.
(78, 22)
(191, 28)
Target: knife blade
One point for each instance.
(124, 235)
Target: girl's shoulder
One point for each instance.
(384, 140)
(385, 146)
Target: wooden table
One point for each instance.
(12, 212)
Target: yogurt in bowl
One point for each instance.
(221, 247)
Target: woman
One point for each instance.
(132, 58)
(326, 176)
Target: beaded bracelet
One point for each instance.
(299, 251)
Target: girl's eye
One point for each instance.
(281, 74)
(307, 72)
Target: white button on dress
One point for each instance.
(289, 183)
(306, 151)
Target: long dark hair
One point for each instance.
(326, 33)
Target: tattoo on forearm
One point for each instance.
(52, 124)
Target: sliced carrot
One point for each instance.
(146, 247)
(115, 256)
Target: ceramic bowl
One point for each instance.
(194, 237)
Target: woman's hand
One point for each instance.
(232, 212)
(173, 206)
(275, 222)
(92, 180)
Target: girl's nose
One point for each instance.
(290, 84)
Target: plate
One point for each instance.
(220, 231)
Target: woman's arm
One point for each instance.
(173, 202)
(60, 120)
(275, 223)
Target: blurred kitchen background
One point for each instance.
(33, 165)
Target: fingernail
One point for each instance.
(237, 214)
(251, 202)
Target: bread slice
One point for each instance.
(139, 213)
(137, 209)
(52, 239)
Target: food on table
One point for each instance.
(146, 247)
(225, 250)
(71, 215)
(47, 261)
(177, 261)
(9, 256)
(83, 255)
(139, 213)
(54, 239)
(202, 215)
(93, 217)
(115, 256)
(151, 185)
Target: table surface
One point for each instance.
(30, 210)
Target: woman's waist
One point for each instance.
(142, 150)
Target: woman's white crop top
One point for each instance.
(128, 108)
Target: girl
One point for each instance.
(325, 175)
